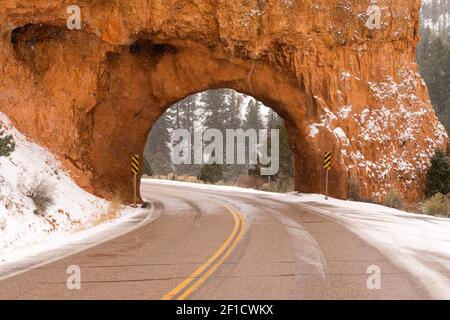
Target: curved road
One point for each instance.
(222, 245)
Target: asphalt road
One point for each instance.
(222, 245)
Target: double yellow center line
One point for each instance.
(199, 276)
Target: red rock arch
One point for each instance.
(141, 87)
(91, 95)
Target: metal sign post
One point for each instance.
(134, 190)
(135, 171)
(327, 167)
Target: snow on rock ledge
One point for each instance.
(391, 139)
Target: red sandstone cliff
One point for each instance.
(91, 95)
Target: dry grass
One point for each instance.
(2, 224)
(182, 178)
(41, 192)
(438, 205)
(112, 213)
(245, 181)
(393, 200)
(283, 185)
(280, 185)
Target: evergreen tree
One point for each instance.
(274, 121)
(286, 157)
(7, 144)
(211, 173)
(433, 55)
(185, 115)
(221, 109)
(233, 110)
(253, 118)
(234, 121)
(157, 148)
(147, 168)
(438, 177)
(215, 107)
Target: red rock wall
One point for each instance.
(91, 95)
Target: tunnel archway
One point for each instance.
(144, 79)
(138, 82)
(91, 95)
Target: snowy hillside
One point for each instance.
(22, 222)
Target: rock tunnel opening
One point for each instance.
(91, 95)
(212, 137)
(146, 78)
(113, 94)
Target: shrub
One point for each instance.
(211, 173)
(282, 184)
(171, 176)
(438, 205)
(393, 200)
(2, 224)
(438, 176)
(7, 144)
(147, 168)
(41, 192)
(187, 178)
(246, 181)
(113, 211)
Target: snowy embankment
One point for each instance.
(23, 225)
(419, 244)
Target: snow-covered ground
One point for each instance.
(414, 242)
(73, 210)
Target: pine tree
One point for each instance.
(7, 144)
(157, 149)
(184, 115)
(147, 168)
(274, 121)
(233, 110)
(252, 121)
(253, 116)
(433, 55)
(286, 157)
(214, 117)
(438, 177)
(437, 76)
(215, 109)
(235, 103)
(211, 173)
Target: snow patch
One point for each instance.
(73, 209)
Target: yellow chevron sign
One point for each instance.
(327, 161)
(135, 164)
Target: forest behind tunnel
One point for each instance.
(220, 109)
